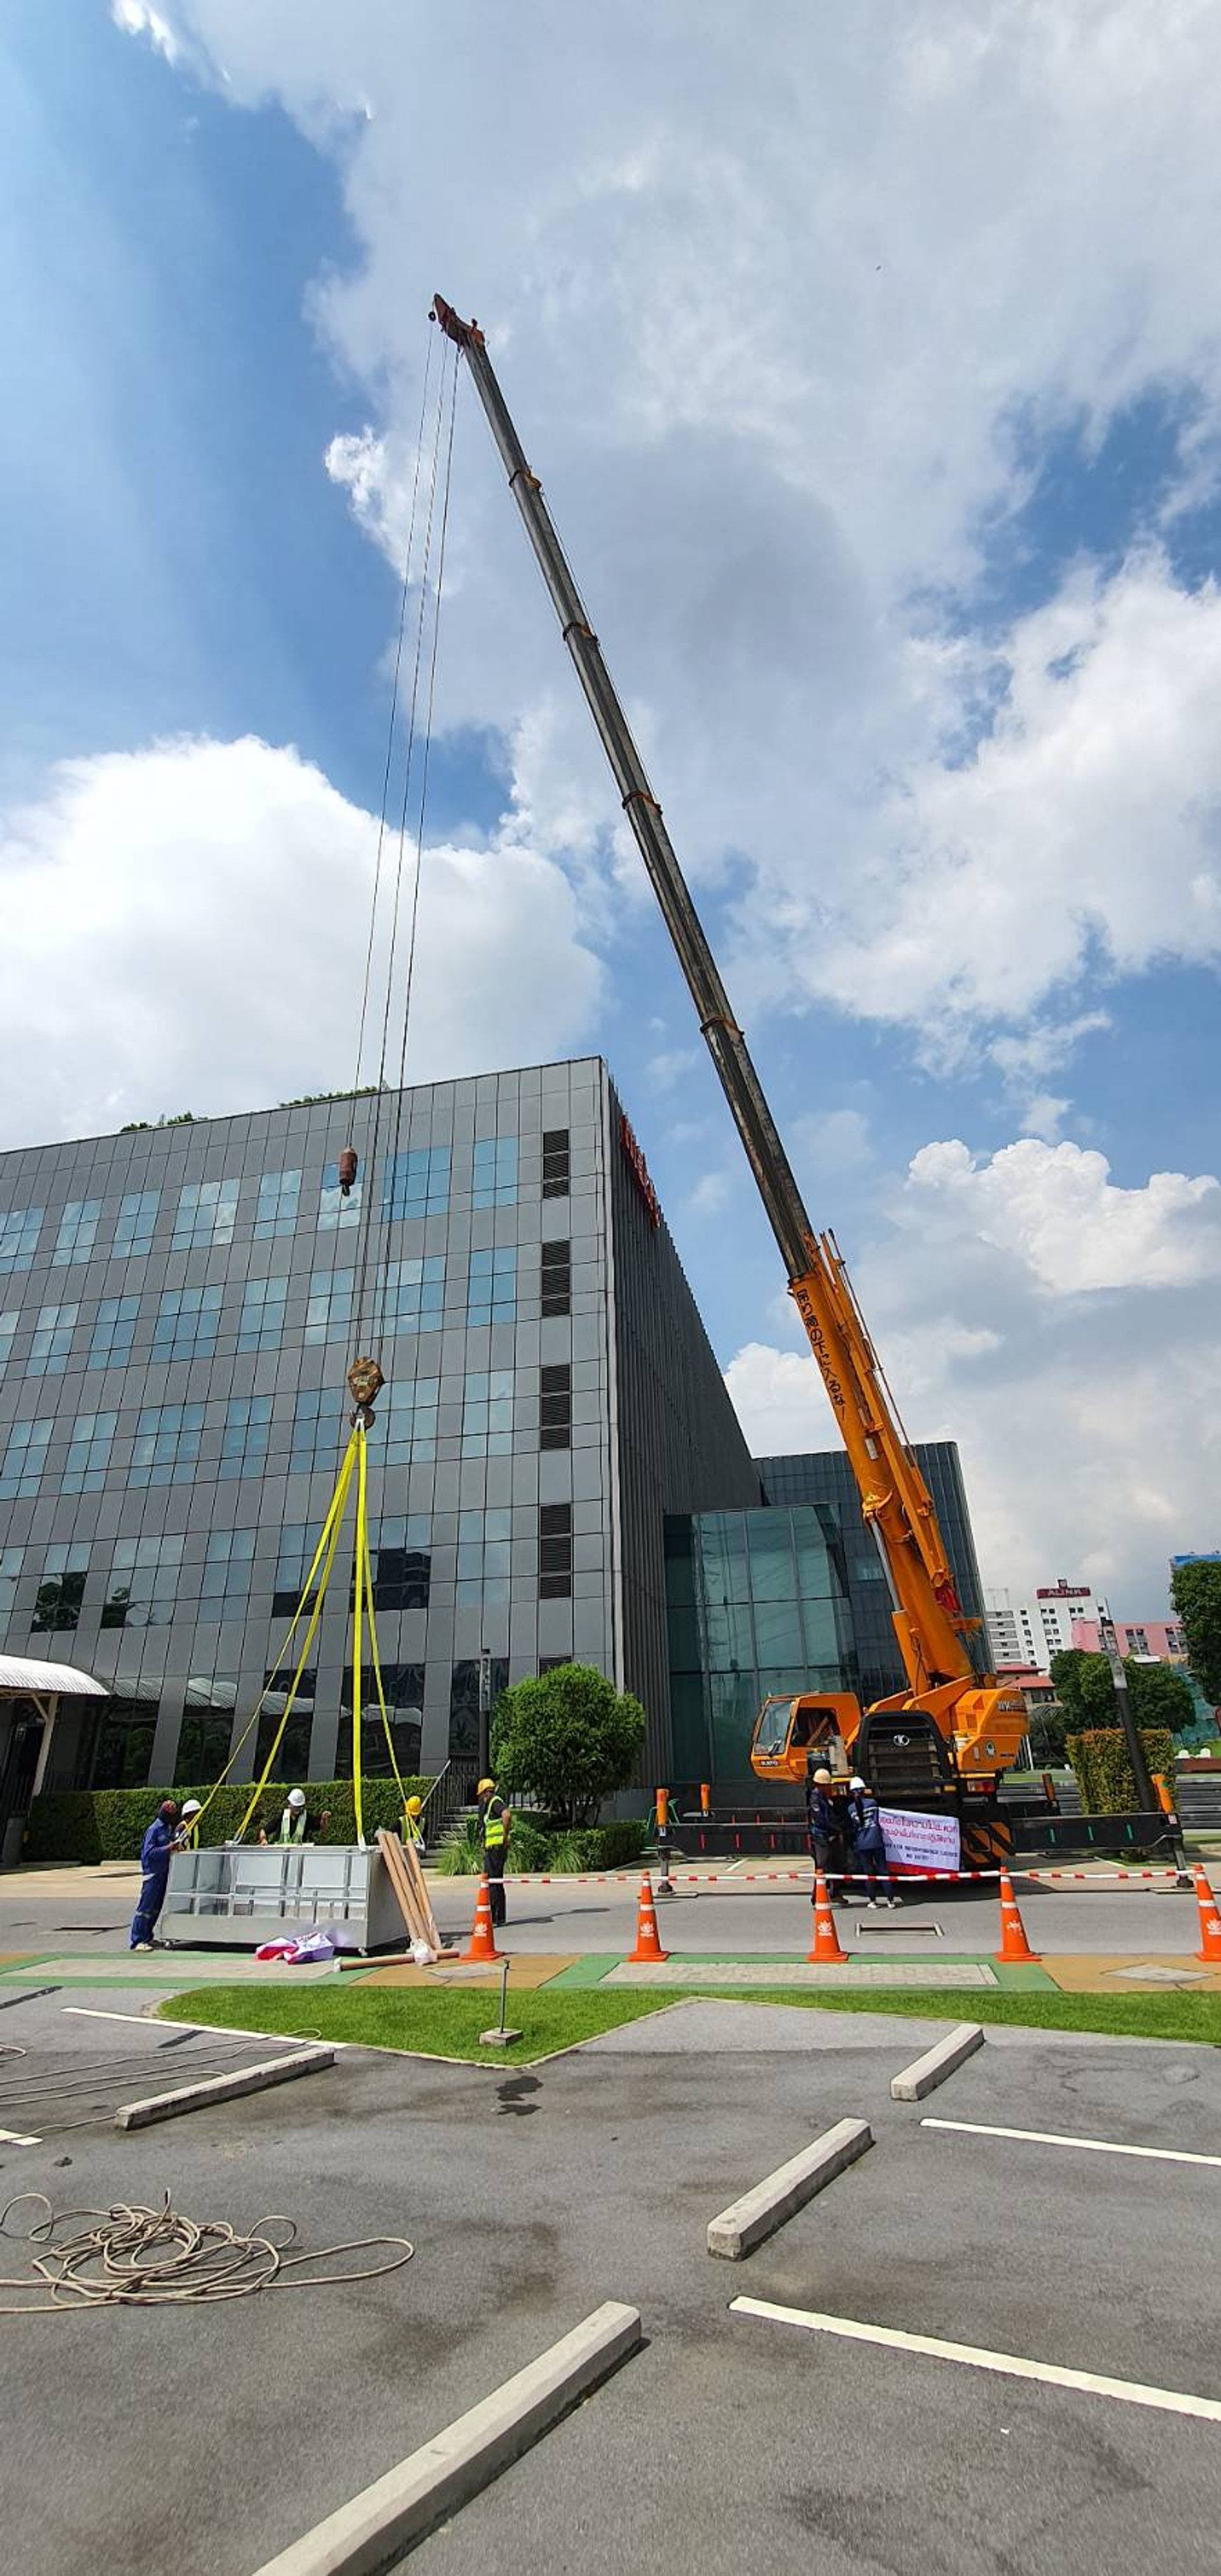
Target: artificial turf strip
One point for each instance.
(434, 2023)
(442, 2023)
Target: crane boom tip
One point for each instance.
(452, 323)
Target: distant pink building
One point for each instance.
(1159, 1639)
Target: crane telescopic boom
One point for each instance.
(929, 1622)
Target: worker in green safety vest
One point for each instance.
(295, 1826)
(494, 1831)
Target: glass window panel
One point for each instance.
(464, 1702)
(8, 1326)
(119, 1753)
(133, 1234)
(24, 1458)
(166, 1445)
(10, 1571)
(403, 1686)
(291, 1762)
(409, 1413)
(142, 1583)
(52, 1341)
(494, 1179)
(262, 1316)
(19, 1232)
(822, 1641)
(206, 1213)
(297, 1550)
(492, 1286)
(244, 1439)
(329, 1310)
(412, 1295)
(729, 1639)
(318, 1426)
(778, 1635)
(113, 1332)
(415, 1184)
(61, 1591)
(773, 1574)
(333, 1208)
(278, 1203)
(89, 1453)
(187, 1322)
(207, 1729)
(225, 1579)
(77, 1232)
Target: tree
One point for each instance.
(1086, 1692)
(567, 1740)
(1196, 1593)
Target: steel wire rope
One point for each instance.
(364, 1312)
(390, 729)
(135, 2255)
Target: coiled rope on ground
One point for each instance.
(133, 2256)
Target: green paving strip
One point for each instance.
(588, 1972)
(432, 2022)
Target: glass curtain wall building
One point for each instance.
(758, 1602)
(178, 1308)
(824, 1477)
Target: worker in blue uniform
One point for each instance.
(159, 1843)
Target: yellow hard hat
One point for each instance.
(415, 1806)
(482, 1785)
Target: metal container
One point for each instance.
(240, 1894)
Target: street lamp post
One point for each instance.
(1145, 1798)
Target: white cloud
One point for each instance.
(786, 312)
(663, 1071)
(1056, 1210)
(710, 1194)
(186, 928)
(135, 18)
(833, 1140)
(1063, 1331)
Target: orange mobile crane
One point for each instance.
(949, 1735)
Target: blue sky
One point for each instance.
(877, 404)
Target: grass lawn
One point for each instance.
(440, 2022)
(1162, 2016)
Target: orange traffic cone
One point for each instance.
(648, 1951)
(1015, 1949)
(826, 1950)
(483, 1939)
(1210, 1919)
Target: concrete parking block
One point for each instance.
(222, 2088)
(927, 2072)
(376, 2527)
(757, 2215)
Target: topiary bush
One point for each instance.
(110, 1824)
(1103, 1772)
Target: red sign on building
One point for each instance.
(640, 1170)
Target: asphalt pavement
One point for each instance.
(206, 2439)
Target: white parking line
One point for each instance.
(1010, 2365)
(14, 2138)
(1092, 2146)
(224, 2030)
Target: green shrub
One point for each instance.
(1104, 1774)
(110, 1824)
(560, 1853)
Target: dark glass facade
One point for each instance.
(824, 1477)
(758, 1602)
(178, 1308)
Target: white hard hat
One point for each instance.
(192, 1806)
(856, 1784)
(296, 1797)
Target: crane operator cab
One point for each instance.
(789, 1730)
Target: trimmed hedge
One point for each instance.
(561, 1850)
(1104, 1774)
(110, 1824)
